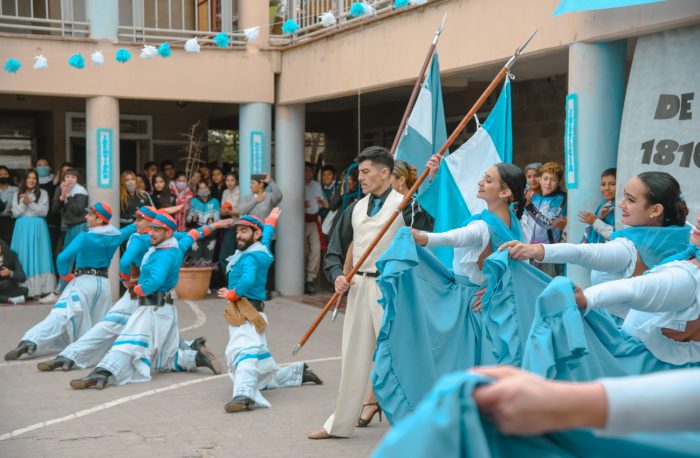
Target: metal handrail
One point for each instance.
(64, 25)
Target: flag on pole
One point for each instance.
(451, 196)
(425, 131)
(571, 6)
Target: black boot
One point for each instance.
(239, 404)
(23, 347)
(205, 358)
(310, 376)
(97, 378)
(62, 362)
(198, 343)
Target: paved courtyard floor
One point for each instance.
(177, 414)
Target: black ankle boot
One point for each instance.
(239, 404)
(310, 376)
(205, 358)
(198, 343)
(62, 362)
(23, 347)
(97, 378)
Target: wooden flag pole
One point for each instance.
(407, 199)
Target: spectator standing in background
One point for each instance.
(161, 196)
(183, 196)
(265, 196)
(49, 182)
(204, 209)
(602, 222)
(130, 198)
(7, 193)
(331, 188)
(313, 200)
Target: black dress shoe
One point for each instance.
(205, 358)
(239, 404)
(97, 378)
(310, 376)
(309, 287)
(64, 363)
(23, 347)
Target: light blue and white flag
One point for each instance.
(425, 131)
(572, 6)
(451, 196)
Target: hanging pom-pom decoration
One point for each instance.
(76, 61)
(251, 33)
(289, 27)
(164, 50)
(12, 65)
(400, 4)
(41, 62)
(97, 58)
(192, 45)
(221, 40)
(122, 56)
(148, 52)
(358, 9)
(417, 2)
(328, 19)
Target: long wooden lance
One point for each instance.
(409, 195)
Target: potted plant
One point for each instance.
(195, 277)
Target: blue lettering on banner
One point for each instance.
(105, 163)
(257, 152)
(570, 142)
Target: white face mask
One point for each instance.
(131, 187)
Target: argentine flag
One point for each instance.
(425, 131)
(451, 196)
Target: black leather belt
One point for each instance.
(368, 274)
(157, 299)
(90, 271)
(259, 305)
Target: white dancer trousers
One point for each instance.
(149, 342)
(252, 367)
(363, 319)
(84, 302)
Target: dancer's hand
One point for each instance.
(523, 251)
(434, 165)
(222, 292)
(523, 403)
(421, 238)
(586, 217)
(342, 284)
(581, 300)
(173, 209)
(479, 295)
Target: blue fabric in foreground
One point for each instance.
(654, 244)
(448, 424)
(563, 344)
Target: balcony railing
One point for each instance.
(65, 18)
(150, 21)
(306, 13)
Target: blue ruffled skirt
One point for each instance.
(32, 243)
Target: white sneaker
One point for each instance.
(17, 300)
(48, 299)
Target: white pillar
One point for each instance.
(597, 77)
(255, 128)
(102, 163)
(289, 164)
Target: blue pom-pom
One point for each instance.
(164, 50)
(290, 27)
(357, 9)
(400, 4)
(221, 40)
(122, 56)
(12, 65)
(77, 61)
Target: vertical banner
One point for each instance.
(105, 162)
(257, 152)
(570, 142)
(661, 119)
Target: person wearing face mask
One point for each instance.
(31, 239)
(7, 192)
(70, 201)
(204, 209)
(601, 223)
(130, 198)
(49, 182)
(183, 195)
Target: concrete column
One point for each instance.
(102, 163)
(597, 76)
(255, 126)
(289, 163)
(103, 16)
(253, 13)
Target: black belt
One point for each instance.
(368, 274)
(90, 271)
(157, 299)
(259, 305)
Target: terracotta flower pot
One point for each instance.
(193, 283)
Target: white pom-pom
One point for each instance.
(192, 45)
(417, 2)
(328, 19)
(149, 52)
(41, 62)
(97, 58)
(369, 10)
(251, 33)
